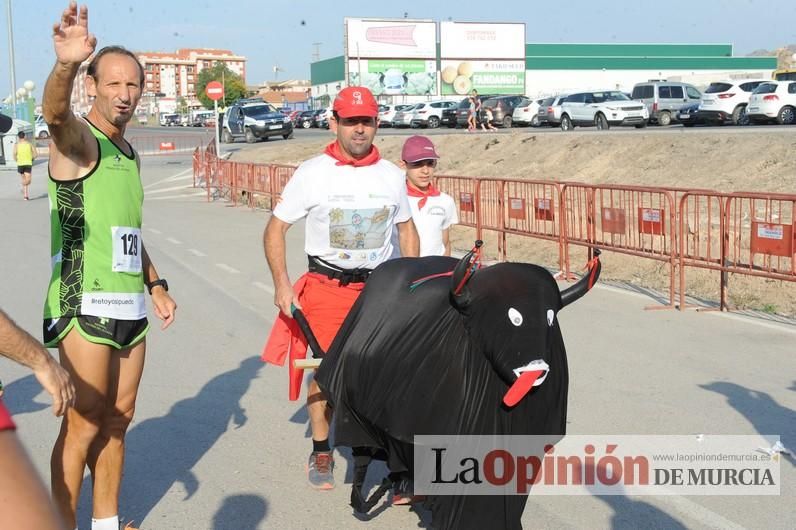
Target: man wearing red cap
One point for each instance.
(352, 200)
(433, 212)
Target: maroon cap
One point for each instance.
(355, 101)
(418, 148)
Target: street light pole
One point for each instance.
(11, 60)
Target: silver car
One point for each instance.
(550, 110)
(403, 118)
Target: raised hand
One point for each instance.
(73, 42)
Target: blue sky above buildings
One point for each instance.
(282, 33)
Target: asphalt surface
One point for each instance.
(215, 443)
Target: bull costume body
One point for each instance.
(475, 352)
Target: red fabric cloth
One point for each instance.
(431, 191)
(334, 151)
(6, 424)
(325, 304)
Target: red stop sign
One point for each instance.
(214, 90)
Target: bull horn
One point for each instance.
(460, 293)
(584, 284)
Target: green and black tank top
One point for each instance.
(96, 239)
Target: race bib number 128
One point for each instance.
(127, 247)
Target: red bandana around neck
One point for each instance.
(334, 151)
(431, 191)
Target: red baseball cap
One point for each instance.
(418, 148)
(355, 101)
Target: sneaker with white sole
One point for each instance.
(320, 470)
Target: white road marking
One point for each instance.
(172, 188)
(264, 287)
(174, 241)
(197, 252)
(226, 268)
(198, 193)
(154, 230)
(169, 179)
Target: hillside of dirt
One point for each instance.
(751, 159)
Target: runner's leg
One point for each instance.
(88, 364)
(106, 455)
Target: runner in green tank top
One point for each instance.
(24, 154)
(94, 310)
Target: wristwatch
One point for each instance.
(162, 282)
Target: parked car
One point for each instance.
(41, 129)
(527, 112)
(550, 110)
(429, 113)
(773, 101)
(254, 121)
(387, 113)
(688, 115)
(169, 120)
(403, 118)
(664, 99)
(602, 109)
(463, 109)
(725, 101)
(322, 118)
(306, 119)
(502, 109)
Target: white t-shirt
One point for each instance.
(351, 211)
(438, 213)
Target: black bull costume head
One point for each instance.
(427, 352)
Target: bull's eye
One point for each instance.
(550, 316)
(515, 317)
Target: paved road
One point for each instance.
(215, 444)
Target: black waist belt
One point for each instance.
(345, 276)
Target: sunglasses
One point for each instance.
(422, 163)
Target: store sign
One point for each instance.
(467, 40)
(390, 38)
(408, 77)
(487, 77)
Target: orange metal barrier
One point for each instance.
(633, 220)
(741, 233)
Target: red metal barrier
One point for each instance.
(742, 233)
(280, 174)
(260, 184)
(633, 220)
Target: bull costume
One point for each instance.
(428, 352)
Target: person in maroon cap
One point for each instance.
(352, 200)
(433, 211)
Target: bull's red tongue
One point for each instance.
(521, 387)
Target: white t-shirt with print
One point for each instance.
(438, 213)
(351, 211)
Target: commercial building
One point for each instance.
(404, 61)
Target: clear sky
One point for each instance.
(282, 34)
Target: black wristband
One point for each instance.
(162, 282)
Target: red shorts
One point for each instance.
(5, 419)
(326, 304)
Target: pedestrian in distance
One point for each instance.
(24, 154)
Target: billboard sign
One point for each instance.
(469, 40)
(392, 77)
(391, 39)
(487, 77)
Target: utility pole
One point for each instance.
(316, 55)
(11, 60)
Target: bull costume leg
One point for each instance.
(474, 352)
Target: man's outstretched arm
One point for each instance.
(19, 346)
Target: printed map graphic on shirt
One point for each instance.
(360, 228)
